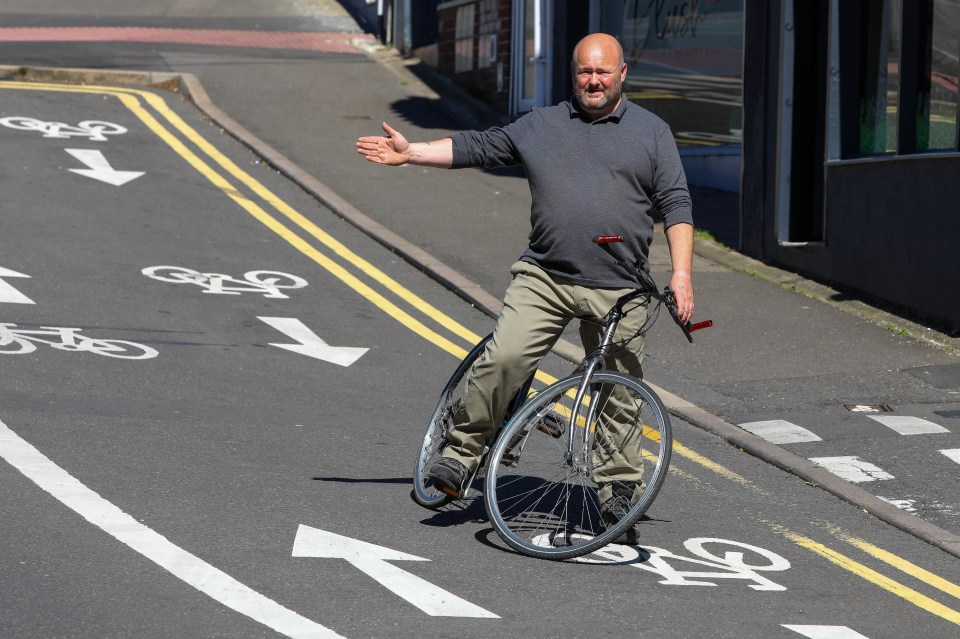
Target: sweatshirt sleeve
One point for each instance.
(487, 149)
(671, 195)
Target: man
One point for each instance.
(597, 164)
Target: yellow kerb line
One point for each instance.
(157, 103)
(913, 570)
(133, 104)
(896, 588)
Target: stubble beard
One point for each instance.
(613, 93)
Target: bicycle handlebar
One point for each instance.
(609, 244)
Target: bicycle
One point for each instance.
(559, 449)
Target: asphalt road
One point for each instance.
(218, 484)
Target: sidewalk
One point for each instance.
(783, 347)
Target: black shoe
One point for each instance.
(448, 475)
(615, 509)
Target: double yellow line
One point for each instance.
(890, 585)
(136, 99)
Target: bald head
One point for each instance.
(598, 73)
(598, 44)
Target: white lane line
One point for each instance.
(903, 504)
(906, 425)
(779, 431)
(852, 469)
(952, 453)
(825, 632)
(212, 582)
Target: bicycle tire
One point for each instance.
(548, 507)
(434, 439)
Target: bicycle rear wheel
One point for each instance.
(556, 502)
(435, 437)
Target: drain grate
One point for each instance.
(868, 408)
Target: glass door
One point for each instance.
(530, 66)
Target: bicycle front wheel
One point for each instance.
(560, 486)
(435, 438)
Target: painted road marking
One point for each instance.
(825, 632)
(852, 468)
(95, 130)
(268, 283)
(99, 169)
(779, 431)
(906, 425)
(902, 504)
(310, 343)
(669, 565)
(909, 568)
(891, 586)
(194, 571)
(8, 294)
(372, 561)
(19, 341)
(952, 453)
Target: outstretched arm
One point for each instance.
(680, 239)
(395, 150)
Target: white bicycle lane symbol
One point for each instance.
(701, 570)
(95, 130)
(19, 341)
(268, 283)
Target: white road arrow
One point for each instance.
(372, 560)
(99, 169)
(8, 294)
(310, 344)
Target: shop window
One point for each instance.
(938, 113)
(879, 77)
(904, 57)
(684, 63)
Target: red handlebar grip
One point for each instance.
(699, 325)
(607, 239)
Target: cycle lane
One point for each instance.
(348, 477)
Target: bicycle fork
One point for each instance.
(591, 365)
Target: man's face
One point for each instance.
(598, 77)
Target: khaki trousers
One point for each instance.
(536, 308)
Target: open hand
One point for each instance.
(392, 150)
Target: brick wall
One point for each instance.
(480, 74)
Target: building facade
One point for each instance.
(834, 120)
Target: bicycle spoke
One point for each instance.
(550, 504)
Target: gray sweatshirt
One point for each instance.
(587, 178)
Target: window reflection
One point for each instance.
(684, 63)
(880, 78)
(941, 120)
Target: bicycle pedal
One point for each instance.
(509, 459)
(551, 425)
